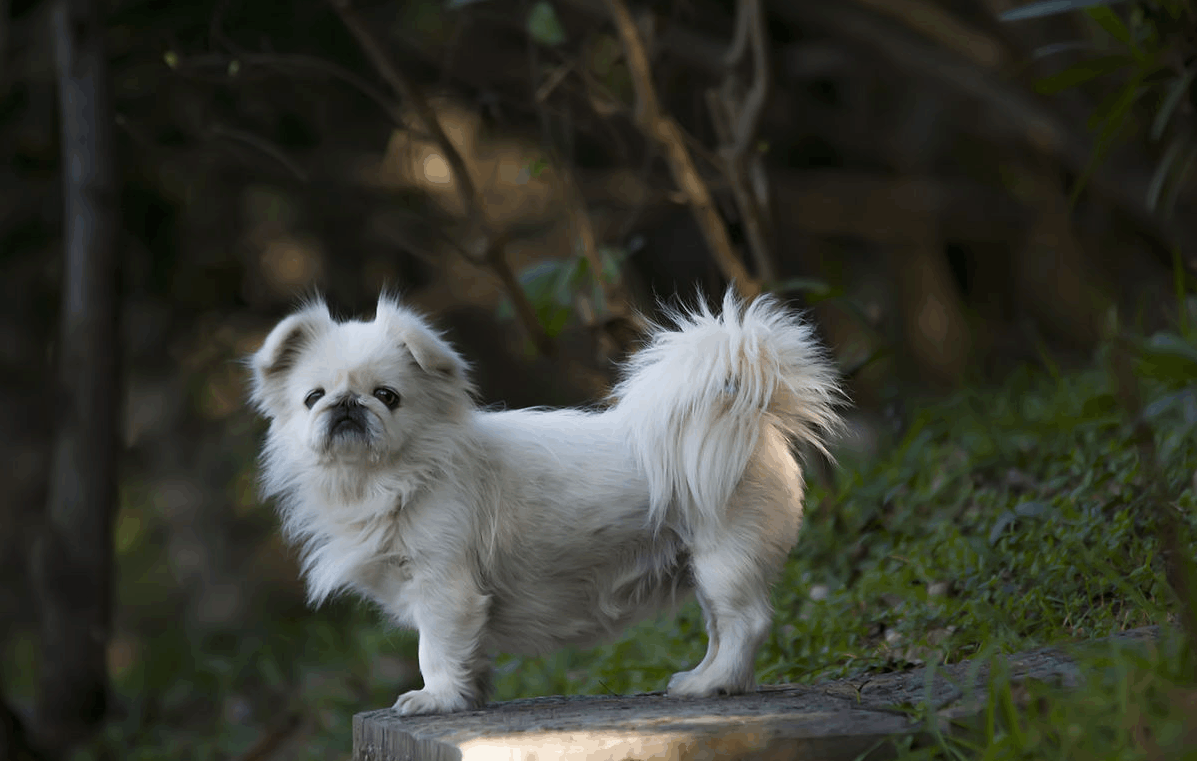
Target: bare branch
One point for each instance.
(736, 120)
(492, 250)
(262, 145)
(664, 130)
(936, 24)
(753, 105)
(739, 43)
(616, 302)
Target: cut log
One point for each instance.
(835, 721)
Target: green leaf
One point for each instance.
(1032, 509)
(1112, 24)
(1170, 203)
(1008, 518)
(1054, 48)
(1162, 172)
(1176, 91)
(1169, 358)
(1111, 116)
(542, 283)
(612, 259)
(1081, 72)
(543, 25)
(1114, 109)
(800, 285)
(1052, 8)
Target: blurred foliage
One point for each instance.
(1146, 54)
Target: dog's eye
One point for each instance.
(313, 397)
(387, 396)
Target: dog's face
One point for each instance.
(346, 392)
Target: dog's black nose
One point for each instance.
(347, 417)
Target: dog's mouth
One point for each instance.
(347, 425)
(344, 425)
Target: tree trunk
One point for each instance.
(73, 559)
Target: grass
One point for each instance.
(1000, 521)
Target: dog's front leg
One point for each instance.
(451, 621)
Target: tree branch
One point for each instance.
(664, 130)
(72, 560)
(491, 252)
(736, 119)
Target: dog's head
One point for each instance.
(356, 391)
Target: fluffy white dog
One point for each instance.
(526, 530)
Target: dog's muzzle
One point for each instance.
(347, 420)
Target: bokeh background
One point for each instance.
(954, 194)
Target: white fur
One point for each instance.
(527, 530)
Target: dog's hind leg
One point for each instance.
(735, 600)
(734, 565)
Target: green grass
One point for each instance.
(1002, 520)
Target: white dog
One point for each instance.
(526, 530)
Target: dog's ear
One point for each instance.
(432, 353)
(280, 351)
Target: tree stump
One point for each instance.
(835, 721)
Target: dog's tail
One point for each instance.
(697, 398)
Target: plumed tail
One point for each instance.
(697, 398)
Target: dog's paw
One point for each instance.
(423, 701)
(702, 684)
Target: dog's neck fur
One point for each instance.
(347, 514)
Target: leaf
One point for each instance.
(1169, 358)
(1170, 405)
(1170, 203)
(1081, 72)
(543, 25)
(1008, 518)
(542, 283)
(1032, 509)
(1052, 8)
(1161, 174)
(1114, 109)
(1113, 112)
(1060, 47)
(1101, 406)
(1003, 521)
(800, 285)
(1111, 23)
(1179, 87)
(612, 258)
